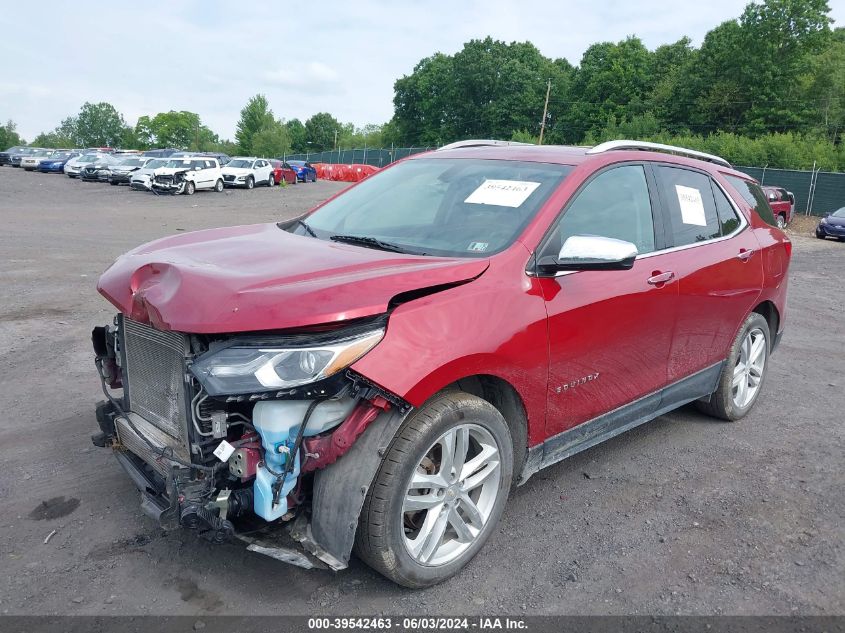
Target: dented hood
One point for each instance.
(259, 277)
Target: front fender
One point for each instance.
(340, 489)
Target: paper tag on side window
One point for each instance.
(224, 451)
(692, 206)
(502, 193)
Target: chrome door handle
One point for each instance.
(745, 255)
(661, 278)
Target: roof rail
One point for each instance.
(479, 143)
(610, 146)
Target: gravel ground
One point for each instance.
(684, 515)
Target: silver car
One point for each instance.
(141, 179)
(31, 162)
(76, 165)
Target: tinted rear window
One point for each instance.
(754, 196)
(689, 200)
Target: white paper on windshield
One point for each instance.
(692, 206)
(502, 193)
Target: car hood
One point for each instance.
(169, 171)
(237, 171)
(259, 277)
(835, 221)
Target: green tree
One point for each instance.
(271, 141)
(9, 136)
(99, 124)
(487, 89)
(320, 131)
(181, 129)
(255, 115)
(296, 133)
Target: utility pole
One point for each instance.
(335, 138)
(545, 111)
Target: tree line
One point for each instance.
(258, 132)
(767, 88)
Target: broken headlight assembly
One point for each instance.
(245, 368)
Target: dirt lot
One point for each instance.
(684, 515)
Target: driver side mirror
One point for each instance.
(590, 252)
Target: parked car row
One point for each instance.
(163, 171)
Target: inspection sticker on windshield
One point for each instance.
(502, 193)
(692, 206)
(478, 247)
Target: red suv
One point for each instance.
(378, 373)
(782, 203)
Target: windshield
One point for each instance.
(179, 164)
(158, 162)
(132, 162)
(839, 213)
(40, 152)
(450, 207)
(87, 158)
(61, 156)
(239, 162)
(296, 163)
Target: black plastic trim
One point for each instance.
(626, 417)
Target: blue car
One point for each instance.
(304, 170)
(56, 163)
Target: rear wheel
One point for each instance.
(742, 376)
(781, 221)
(250, 182)
(439, 491)
(218, 186)
(190, 187)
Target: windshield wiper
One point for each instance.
(370, 242)
(309, 230)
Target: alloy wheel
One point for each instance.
(451, 494)
(748, 373)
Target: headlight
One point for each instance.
(250, 369)
(824, 221)
(241, 177)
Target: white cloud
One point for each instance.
(304, 76)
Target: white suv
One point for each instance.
(248, 171)
(187, 175)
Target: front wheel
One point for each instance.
(271, 181)
(820, 235)
(250, 182)
(742, 376)
(218, 186)
(439, 491)
(190, 187)
(781, 221)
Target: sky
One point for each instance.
(210, 57)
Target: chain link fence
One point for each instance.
(816, 192)
(378, 157)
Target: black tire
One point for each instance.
(218, 186)
(271, 181)
(112, 182)
(190, 188)
(250, 182)
(379, 540)
(721, 403)
(781, 220)
(820, 235)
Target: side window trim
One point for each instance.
(656, 222)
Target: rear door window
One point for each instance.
(688, 199)
(754, 196)
(728, 219)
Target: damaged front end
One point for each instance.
(227, 435)
(174, 183)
